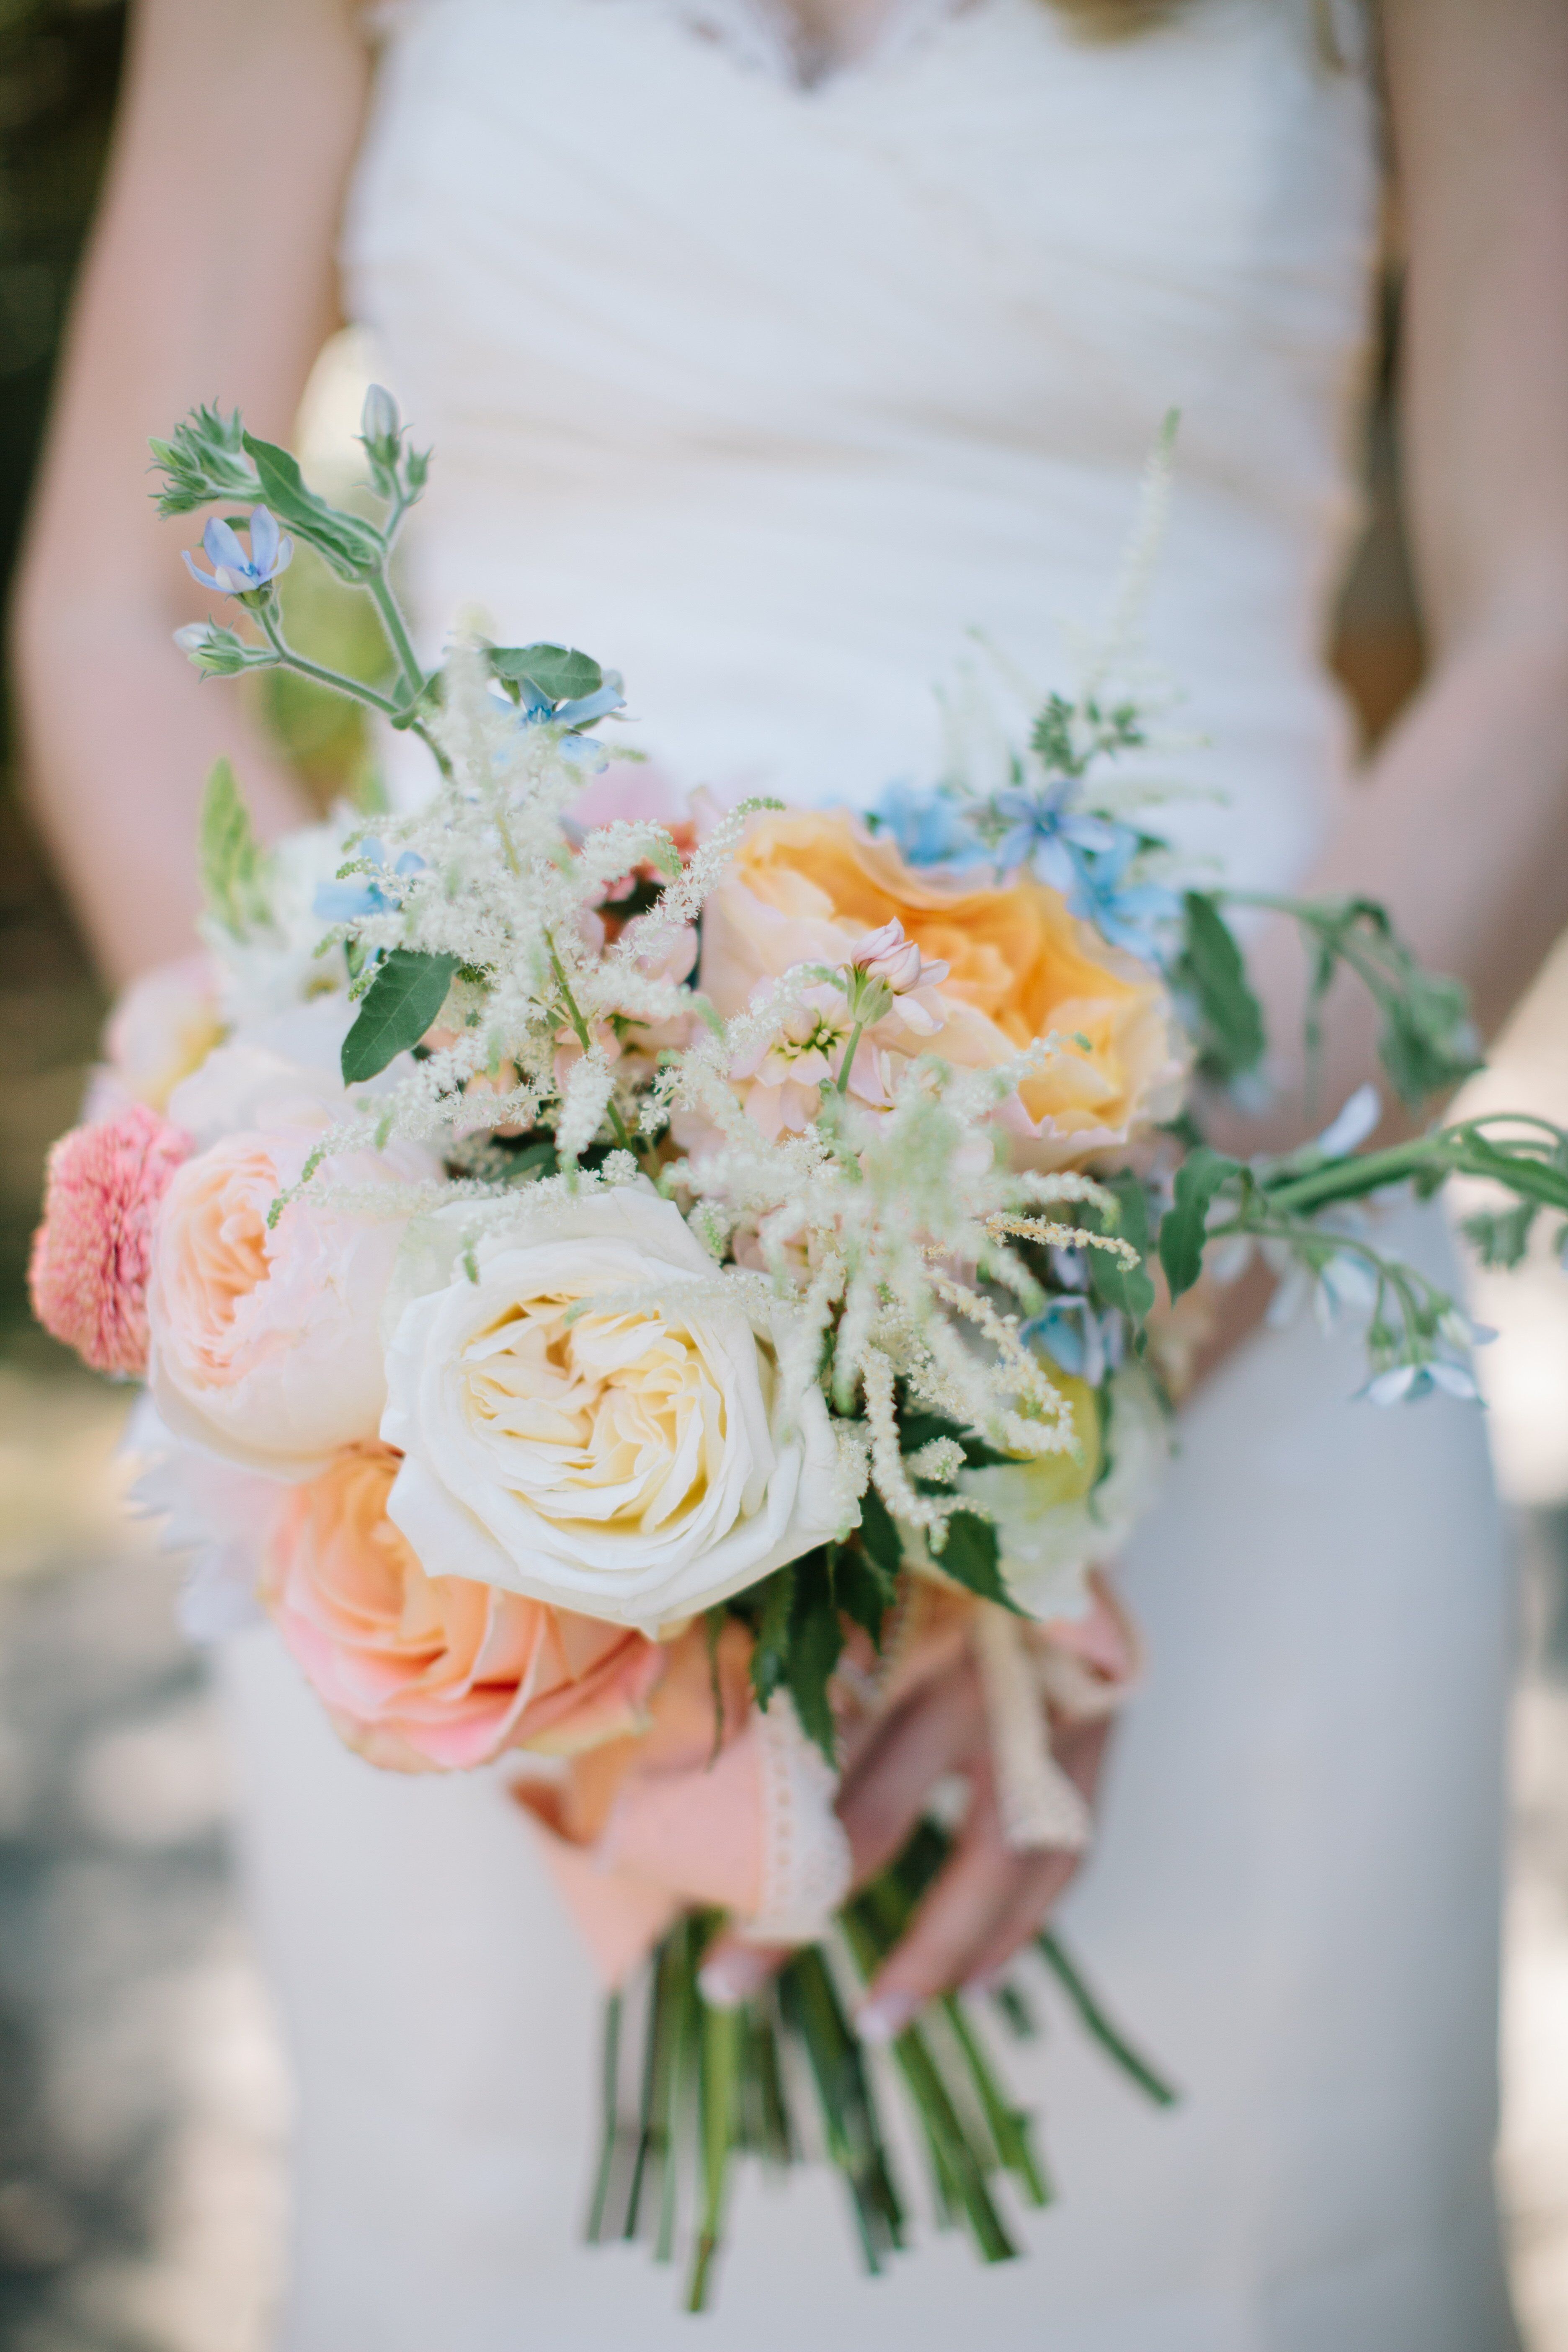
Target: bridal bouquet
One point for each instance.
(640, 1288)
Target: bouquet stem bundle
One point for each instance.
(718, 2084)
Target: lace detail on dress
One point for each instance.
(769, 37)
(805, 1854)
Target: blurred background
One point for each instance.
(144, 2108)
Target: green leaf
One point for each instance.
(1127, 1287)
(352, 549)
(771, 1650)
(816, 1645)
(862, 1587)
(1427, 1044)
(971, 1556)
(560, 673)
(399, 1005)
(1501, 1236)
(235, 871)
(1211, 973)
(1198, 1179)
(878, 1536)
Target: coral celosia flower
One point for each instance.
(92, 1254)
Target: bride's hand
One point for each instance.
(988, 1902)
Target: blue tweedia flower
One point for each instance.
(1043, 830)
(536, 710)
(234, 574)
(590, 706)
(930, 828)
(1128, 914)
(1075, 1338)
(1409, 1383)
(345, 902)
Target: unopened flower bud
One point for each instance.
(216, 653)
(887, 955)
(379, 424)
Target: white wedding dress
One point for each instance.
(766, 392)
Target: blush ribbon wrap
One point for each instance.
(718, 1803)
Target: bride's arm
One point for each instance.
(210, 276)
(1460, 826)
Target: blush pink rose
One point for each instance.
(265, 1338)
(437, 1673)
(91, 1256)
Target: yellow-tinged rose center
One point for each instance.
(1057, 1478)
(612, 1418)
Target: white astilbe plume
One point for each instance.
(583, 1106)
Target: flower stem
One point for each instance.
(609, 2124)
(848, 1064)
(618, 1124)
(1096, 2024)
(379, 590)
(851, 2127)
(1450, 1150)
(331, 678)
(720, 2032)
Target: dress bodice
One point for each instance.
(768, 393)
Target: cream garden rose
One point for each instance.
(637, 1462)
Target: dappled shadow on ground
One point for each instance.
(142, 2104)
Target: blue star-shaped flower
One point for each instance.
(1130, 915)
(234, 573)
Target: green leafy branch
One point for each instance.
(1426, 1042)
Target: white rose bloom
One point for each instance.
(639, 1463)
(283, 1071)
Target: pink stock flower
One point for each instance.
(437, 1673)
(92, 1254)
(781, 1081)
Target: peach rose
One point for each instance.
(265, 1340)
(805, 888)
(422, 1673)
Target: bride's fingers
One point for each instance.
(886, 1794)
(1042, 1879)
(1079, 1752)
(735, 1970)
(883, 1797)
(957, 1919)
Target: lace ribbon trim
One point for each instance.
(805, 1854)
(1039, 1807)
